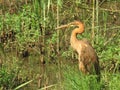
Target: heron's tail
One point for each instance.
(97, 70)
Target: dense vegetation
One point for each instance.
(35, 56)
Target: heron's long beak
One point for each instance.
(64, 26)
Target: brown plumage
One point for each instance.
(88, 59)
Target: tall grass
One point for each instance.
(75, 80)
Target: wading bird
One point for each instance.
(87, 57)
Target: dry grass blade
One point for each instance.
(47, 87)
(22, 85)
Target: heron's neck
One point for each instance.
(74, 40)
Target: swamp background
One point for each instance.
(35, 56)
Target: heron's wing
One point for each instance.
(89, 57)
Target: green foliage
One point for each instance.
(26, 26)
(110, 81)
(75, 80)
(67, 53)
(114, 83)
(6, 78)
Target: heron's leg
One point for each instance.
(82, 66)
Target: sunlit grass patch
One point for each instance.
(75, 80)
